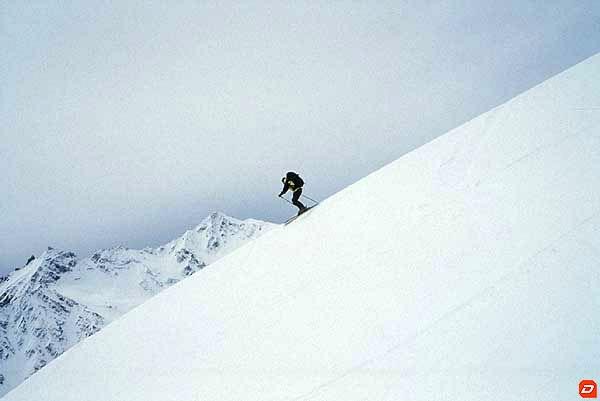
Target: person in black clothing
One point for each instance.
(294, 183)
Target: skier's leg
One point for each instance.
(295, 199)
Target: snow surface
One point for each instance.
(465, 270)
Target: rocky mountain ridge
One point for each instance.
(57, 299)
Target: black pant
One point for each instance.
(296, 197)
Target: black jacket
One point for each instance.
(291, 181)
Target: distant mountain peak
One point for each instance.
(53, 264)
(215, 219)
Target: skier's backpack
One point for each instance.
(295, 178)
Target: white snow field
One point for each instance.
(465, 270)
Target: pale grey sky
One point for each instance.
(127, 122)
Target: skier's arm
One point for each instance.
(285, 189)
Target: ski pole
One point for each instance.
(281, 197)
(310, 199)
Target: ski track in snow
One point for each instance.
(482, 293)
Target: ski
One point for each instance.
(288, 221)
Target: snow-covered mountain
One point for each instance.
(56, 300)
(465, 270)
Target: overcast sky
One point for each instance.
(127, 122)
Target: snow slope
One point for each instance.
(465, 270)
(57, 300)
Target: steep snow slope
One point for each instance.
(465, 270)
(57, 300)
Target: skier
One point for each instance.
(294, 183)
